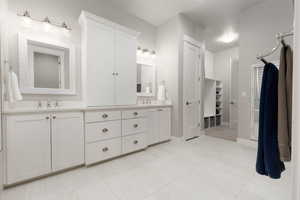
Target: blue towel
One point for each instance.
(268, 161)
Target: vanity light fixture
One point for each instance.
(139, 51)
(26, 18)
(46, 22)
(153, 54)
(146, 52)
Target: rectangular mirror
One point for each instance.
(46, 66)
(146, 79)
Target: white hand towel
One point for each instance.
(161, 93)
(15, 86)
(13, 90)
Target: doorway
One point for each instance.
(233, 96)
(191, 90)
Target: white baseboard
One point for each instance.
(225, 123)
(248, 143)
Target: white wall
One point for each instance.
(69, 11)
(3, 9)
(222, 73)
(258, 27)
(167, 65)
(170, 62)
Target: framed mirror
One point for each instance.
(146, 79)
(46, 66)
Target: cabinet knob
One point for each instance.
(135, 142)
(104, 130)
(104, 116)
(159, 110)
(136, 125)
(105, 149)
(47, 117)
(54, 117)
(135, 113)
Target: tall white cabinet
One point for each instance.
(108, 62)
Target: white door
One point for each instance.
(126, 68)
(191, 100)
(100, 64)
(234, 84)
(28, 147)
(164, 124)
(67, 140)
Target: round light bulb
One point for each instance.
(47, 24)
(27, 21)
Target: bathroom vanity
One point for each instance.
(42, 142)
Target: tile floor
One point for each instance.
(206, 168)
(223, 132)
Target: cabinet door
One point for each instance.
(28, 147)
(67, 140)
(164, 124)
(126, 79)
(100, 64)
(153, 127)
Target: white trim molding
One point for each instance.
(296, 107)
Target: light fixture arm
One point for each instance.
(45, 20)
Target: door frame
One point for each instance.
(296, 106)
(230, 90)
(201, 47)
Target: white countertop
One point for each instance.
(70, 109)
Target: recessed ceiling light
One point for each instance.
(228, 37)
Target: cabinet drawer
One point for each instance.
(133, 143)
(130, 114)
(98, 116)
(133, 126)
(103, 130)
(99, 151)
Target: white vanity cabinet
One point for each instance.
(39, 144)
(28, 147)
(67, 140)
(108, 62)
(159, 123)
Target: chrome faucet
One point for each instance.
(56, 103)
(40, 104)
(48, 103)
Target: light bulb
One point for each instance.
(146, 52)
(153, 54)
(47, 24)
(139, 51)
(27, 21)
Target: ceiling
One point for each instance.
(214, 15)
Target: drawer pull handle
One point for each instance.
(135, 113)
(160, 110)
(105, 149)
(135, 142)
(47, 117)
(136, 125)
(105, 130)
(104, 116)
